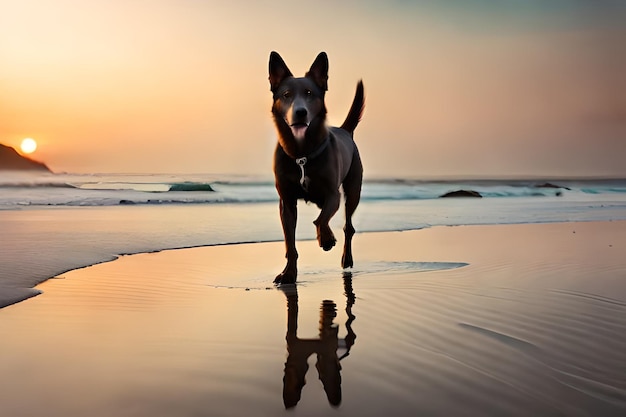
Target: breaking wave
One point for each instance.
(113, 189)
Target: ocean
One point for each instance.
(58, 222)
(37, 190)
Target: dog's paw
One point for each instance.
(328, 244)
(325, 238)
(285, 278)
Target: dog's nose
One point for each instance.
(301, 112)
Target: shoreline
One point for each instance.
(11, 294)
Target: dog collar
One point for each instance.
(302, 161)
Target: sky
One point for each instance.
(457, 88)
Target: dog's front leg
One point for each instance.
(325, 236)
(288, 218)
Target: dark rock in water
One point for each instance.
(461, 193)
(10, 160)
(191, 186)
(550, 185)
(127, 202)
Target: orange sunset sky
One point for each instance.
(453, 88)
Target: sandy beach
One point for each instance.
(471, 320)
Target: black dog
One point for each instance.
(312, 161)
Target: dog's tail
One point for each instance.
(356, 110)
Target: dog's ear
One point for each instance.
(278, 71)
(319, 71)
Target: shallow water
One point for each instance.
(38, 243)
(435, 327)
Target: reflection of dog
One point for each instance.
(312, 160)
(326, 346)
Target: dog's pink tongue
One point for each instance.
(299, 131)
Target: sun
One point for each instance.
(28, 145)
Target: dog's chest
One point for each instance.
(317, 189)
(310, 188)
(311, 181)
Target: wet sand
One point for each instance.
(471, 320)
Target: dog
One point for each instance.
(313, 161)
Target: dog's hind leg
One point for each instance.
(348, 230)
(352, 191)
(288, 218)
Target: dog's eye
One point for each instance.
(287, 94)
(308, 93)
